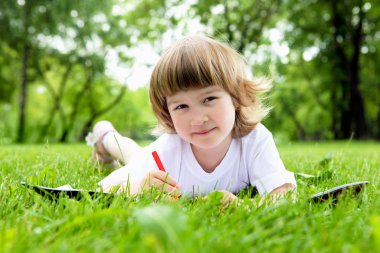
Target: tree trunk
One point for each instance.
(67, 128)
(23, 94)
(347, 69)
(335, 113)
(24, 77)
(57, 97)
(356, 103)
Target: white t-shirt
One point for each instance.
(250, 160)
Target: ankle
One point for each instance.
(106, 138)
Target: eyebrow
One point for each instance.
(168, 103)
(209, 90)
(171, 102)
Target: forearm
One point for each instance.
(283, 189)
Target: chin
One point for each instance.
(206, 145)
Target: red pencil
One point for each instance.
(158, 161)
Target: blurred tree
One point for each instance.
(97, 112)
(341, 34)
(7, 78)
(71, 40)
(63, 46)
(29, 24)
(241, 23)
(326, 85)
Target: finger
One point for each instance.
(150, 181)
(161, 185)
(165, 177)
(175, 192)
(228, 197)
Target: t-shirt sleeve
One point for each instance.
(267, 168)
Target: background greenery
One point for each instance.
(322, 55)
(54, 83)
(152, 223)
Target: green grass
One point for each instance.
(152, 223)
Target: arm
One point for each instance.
(267, 171)
(283, 189)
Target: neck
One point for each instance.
(209, 159)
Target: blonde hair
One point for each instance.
(197, 62)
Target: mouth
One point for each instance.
(204, 132)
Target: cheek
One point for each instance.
(228, 114)
(178, 123)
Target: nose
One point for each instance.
(199, 117)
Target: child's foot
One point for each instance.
(95, 139)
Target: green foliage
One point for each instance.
(60, 48)
(241, 23)
(154, 223)
(343, 37)
(7, 77)
(133, 116)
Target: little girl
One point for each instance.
(210, 113)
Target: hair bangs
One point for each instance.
(187, 68)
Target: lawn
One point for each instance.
(154, 223)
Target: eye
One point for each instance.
(179, 107)
(209, 99)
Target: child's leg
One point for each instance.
(111, 146)
(119, 147)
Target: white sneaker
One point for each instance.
(102, 128)
(99, 131)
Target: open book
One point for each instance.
(336, 192)
(64, 190)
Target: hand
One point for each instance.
(161, 180)
(227, 199)
(281, 191)
(275, 196)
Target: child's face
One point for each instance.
(203, 117)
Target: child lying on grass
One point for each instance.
(213, 141)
